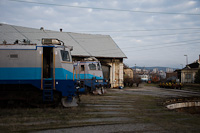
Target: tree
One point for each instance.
(126, 66)
(137, 80)
(197, 77)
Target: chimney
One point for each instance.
(60, 29)
(4, 42)
(41, 28)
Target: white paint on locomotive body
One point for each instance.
(88, 70)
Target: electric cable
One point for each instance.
(107, 9)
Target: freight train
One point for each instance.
(38, 72)
(89, 73)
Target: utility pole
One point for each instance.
(135, 68)
(186, 59)
(187, 75)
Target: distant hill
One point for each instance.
(151, 68)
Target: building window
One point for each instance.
(188, 76)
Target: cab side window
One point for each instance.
(65, 55)
(82, 68)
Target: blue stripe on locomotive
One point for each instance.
(20, 73)
(35, 74)
(87, 76)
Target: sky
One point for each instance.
(149, 32)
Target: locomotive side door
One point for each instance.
(82, 71)
(48, 66)
(48, 63)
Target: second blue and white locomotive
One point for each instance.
(89, 72)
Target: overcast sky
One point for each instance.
(149, 32)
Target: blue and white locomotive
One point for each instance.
(46, 68)
(89, 73)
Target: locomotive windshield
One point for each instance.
(65, 55)
(92, 66)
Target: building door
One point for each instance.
(106, 71)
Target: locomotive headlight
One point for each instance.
(77, 87)
(96, 81)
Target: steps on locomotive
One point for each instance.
(47, 90)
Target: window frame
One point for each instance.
(188, 76)
(65, 58)
(98, 66)
(82, 67)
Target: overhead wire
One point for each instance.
(185, 41)
(162, 34)
(154, 48)
(167, 46)
(133, 46)
(112, 36)
(164, 43)
(107, 9)
(133, 30)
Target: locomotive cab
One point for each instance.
(91, 70)
(91, 75)
(42, 71)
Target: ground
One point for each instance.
(137, 109)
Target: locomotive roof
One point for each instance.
(83, 44)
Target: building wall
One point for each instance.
(116, 73)
(128, 73)
(116, 69)
(171, 74)
(188, 75)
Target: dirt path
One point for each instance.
(131, 110)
